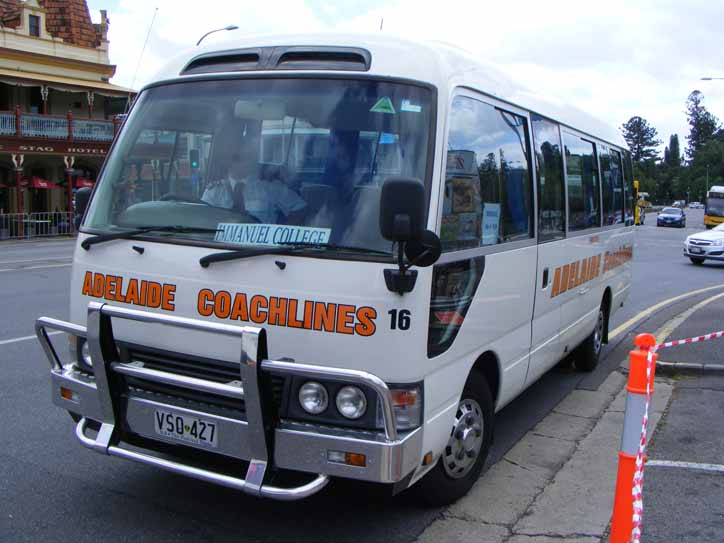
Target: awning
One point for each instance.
(82, 182)
(39, 183)
(72, 84)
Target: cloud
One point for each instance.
(614, 60)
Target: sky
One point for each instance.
(615, 59)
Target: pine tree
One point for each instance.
(672, 154)
(703, 124)
(641, 139)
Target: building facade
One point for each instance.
(58, 110)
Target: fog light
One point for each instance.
(313, 397)
(68, 394)
(351, 402)
(349, 458)
(85, 354)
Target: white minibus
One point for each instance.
(336, 257)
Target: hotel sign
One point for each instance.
(54, 148)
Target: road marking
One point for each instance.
(46, 259)
(667, 329)
(646, 312)
(2, 270)
(25, 338)
(717, 468)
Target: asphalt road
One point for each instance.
(51, 486)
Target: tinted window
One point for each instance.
(488, 185)
(582, 177)
(628, 186)
(671, 211)
(617, 186)
(606, 185)
(549, 167)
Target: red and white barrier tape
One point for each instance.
(638, 479)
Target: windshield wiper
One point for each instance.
(283, 247)
(101, 238)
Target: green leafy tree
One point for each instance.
(641, 138)
(702, 123)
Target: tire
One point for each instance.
(453, 476)
(587, 354)
(696, 260)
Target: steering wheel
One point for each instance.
(174, 197)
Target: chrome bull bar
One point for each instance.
(101, 343)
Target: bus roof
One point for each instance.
(439, 64)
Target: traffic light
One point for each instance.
(194, 158)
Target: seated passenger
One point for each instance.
(268, 200)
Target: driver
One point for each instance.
(268, 200)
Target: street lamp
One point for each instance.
(230, 27)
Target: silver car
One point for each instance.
(707, 245)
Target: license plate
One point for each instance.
(696, 250)
(186, 429)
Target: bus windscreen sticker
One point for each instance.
(410, 107)
(491, 223)
(270, 234)
(383, 105)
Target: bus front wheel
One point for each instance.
(463, 458)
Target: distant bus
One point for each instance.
(714, 210)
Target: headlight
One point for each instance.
(718, 242)
(313, 397)
(351, 402)
(85, 354)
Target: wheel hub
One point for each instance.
(466, 439)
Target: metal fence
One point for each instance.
(35, 225)
(93, 130)
(7, 123)
(44, 126)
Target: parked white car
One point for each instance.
(706, 245)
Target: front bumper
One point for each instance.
(265, 442)
(710, 252)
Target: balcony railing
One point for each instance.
(56, 127)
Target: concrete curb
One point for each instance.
(12, 242)
(674, 368)
(555, 484)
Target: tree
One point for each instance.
(641, 139)
(672, 154)
(702, 123)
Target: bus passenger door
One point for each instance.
(546, 347)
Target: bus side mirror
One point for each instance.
(402, 209)
(82, 196)
(402, 220)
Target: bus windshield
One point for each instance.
(249, 162)
(715, 204)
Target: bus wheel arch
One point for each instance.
(488, 365)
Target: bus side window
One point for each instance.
(488, 186)
(609, 215)
(617, 184)
(551, 191)
(628, 184)
(583, 186)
